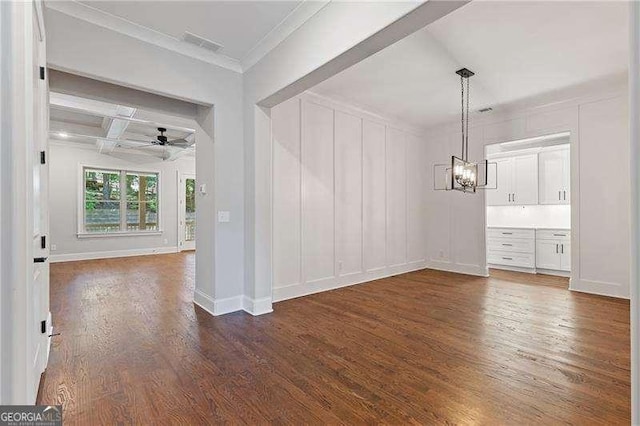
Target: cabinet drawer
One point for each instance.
(511, 244)
(510, 233)
(553, 234)
(524, 260)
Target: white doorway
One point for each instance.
(186, 211)
(529, 214)
(41, 325)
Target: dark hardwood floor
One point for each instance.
(426, 347)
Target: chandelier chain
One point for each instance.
(462, 114)
(467, 123)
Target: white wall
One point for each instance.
(79, 47)
(600, 187)
(348, 196)
(305, 58)
(540, 216)
(65, 162)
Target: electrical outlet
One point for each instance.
(340, 266)
(441, 253)
(166, 241)
(224, 216)
(54, 247)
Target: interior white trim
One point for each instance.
(118, 234)
(49, 336)
(228, 305)
(257, 306)
(298, 16)
(634, 131)
(598, 287)
(458, 268)
(131, 29)
(318, 286)
(55, 258)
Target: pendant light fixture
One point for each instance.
(462, 174)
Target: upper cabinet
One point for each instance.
(554, 170)
(517, 181)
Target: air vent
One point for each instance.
(485, 109)
(201, 42)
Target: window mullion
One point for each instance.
(123, 200)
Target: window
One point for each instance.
(120, 201)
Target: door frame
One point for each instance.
(22, 36)
(182, 244)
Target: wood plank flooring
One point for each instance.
(421, 348)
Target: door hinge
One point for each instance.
(43, 326)
(41, 73)
(43, 157)
(43, 242)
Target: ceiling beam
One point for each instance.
(115, 128)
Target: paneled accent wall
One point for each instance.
(349, 200)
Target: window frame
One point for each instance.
(123, 232)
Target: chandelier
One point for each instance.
(462, 174)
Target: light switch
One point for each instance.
(203, 189)
(224, 216)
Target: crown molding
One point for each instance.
(148, 35)
(294, 20)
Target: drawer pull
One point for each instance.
(559, 235)
(508, 258)
(507, 233)
(508, 245)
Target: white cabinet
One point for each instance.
(525, 180)
(511, 247)
(547, 254)
(501, 196)
(553, 249)
(517, 181)
(554, 170)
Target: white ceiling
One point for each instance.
(518, 49)
(237, 25)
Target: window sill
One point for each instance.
(118, 234)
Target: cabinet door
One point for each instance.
(547, 254)
(551, 171)
(566, 176)
(565, 257)
(525, 180)
(502, 195)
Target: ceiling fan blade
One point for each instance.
(182, 143)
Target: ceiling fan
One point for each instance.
(162, 140)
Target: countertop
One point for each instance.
(558, 228)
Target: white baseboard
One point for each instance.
(514, 269)
(257, 306)
(228, 305)
(219, 306)
(553, 272)
(599, 287)
(475, 270)
(69, 257)
(332, 283)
